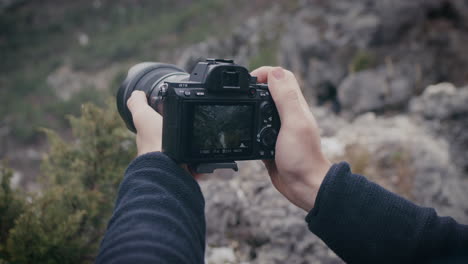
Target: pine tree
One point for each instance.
(66, 221)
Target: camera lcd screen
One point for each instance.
(222, 130)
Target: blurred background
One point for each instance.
(387, 81)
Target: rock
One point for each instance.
(374, 90)
(242, 44)
(406, 158)
(409, 45)
(332, 147)
(444, 109)
(441, 101)
(16, 180)
(247, 214)
(396, 17)
(65, 81)
(329, 123)
(223, 255)
(320, 43)
(83, 39)
(307, 48)
(461, 9)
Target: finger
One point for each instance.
(261, 73)
(262, 76)
(191, 171)
(286, 93)
(136, 101)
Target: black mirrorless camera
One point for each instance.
(212, 117)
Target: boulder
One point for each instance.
(223, 255)
(245, 213)
(405, 157)
(444, 110)
(374, 90)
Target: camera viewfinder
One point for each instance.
(230, 80)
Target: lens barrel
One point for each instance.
(144, 77)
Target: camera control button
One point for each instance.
(252, 92)
(224, 60)
(263, 86)
(268, 137)
(261, 152)
(266, 108)
(187, 93)
(200, 93)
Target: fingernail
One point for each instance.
(278, 73)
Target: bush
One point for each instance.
(361, 61)
(65, 223)
(11, 207)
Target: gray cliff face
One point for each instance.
(407, 44)
(364, 67)
(246, 215)
(444, 110)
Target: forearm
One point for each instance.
(362, 222)
(158, 216)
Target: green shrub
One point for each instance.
(11, 207)
(361, 61)
(65, 222)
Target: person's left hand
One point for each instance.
(148, 124)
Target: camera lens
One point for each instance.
(145, 77)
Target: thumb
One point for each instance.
(286, 92)
(137, 102)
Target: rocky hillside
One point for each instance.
(387, 81)
(366, 68)
(410, 154)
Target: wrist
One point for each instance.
(147, 146)
(313, 181)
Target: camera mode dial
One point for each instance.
(268, 137)
(266, 108)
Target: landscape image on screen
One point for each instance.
(222, 129)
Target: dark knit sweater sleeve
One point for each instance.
(158, 216)
(364, 223)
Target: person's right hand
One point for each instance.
(299, 166)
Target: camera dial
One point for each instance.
(268, 137)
